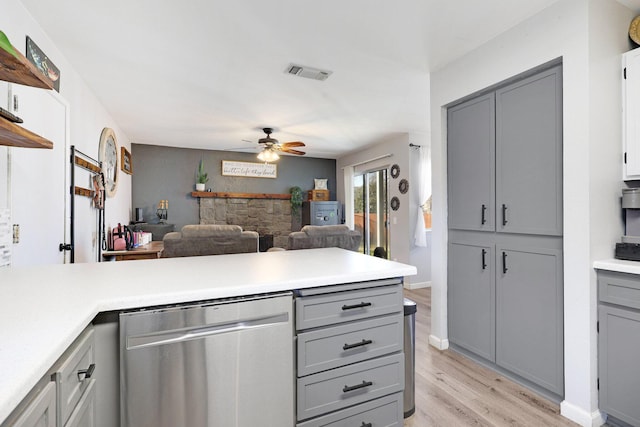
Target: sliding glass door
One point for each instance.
(370, 210)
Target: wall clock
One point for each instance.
(108, 156)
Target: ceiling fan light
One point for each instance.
(268, 155)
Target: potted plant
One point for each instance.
(201, 177)
(296, 199)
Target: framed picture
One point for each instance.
(37, 57)
(125, 161)
(248, 169)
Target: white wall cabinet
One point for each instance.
(630, 115)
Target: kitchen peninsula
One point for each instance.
(44, 309)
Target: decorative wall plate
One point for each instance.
(395, 171)
(395, 203)
(403, 187)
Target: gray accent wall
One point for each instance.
(168, 173)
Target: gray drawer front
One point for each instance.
(383, 412)
(619, 288)
(71, 386)
(321, 310)
(322, 349)
(325, 392)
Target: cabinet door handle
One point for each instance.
(366, 424)
(504, 215)
(484, 259)
(349, 388)
(86, 372)
(484, 211)
(504, 262)
(354, 306)
(358, 344)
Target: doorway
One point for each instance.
(371, 211)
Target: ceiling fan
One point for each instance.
(271, 146)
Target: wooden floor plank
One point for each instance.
(453, 390)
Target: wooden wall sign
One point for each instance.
(248, 169)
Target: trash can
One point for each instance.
(410, 309)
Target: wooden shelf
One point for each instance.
(16, 136)
(205, 194)
(18, 69)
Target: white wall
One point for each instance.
(589, 36)
(87, 119)
(397, 150)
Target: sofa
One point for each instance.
(209, 239)
(325, 236)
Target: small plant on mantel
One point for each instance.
(201, 177)
(296, 199)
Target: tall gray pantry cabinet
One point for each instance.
(505, 228)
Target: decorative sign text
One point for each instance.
(253, 170)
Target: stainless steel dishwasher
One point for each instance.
(214, 364)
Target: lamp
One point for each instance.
(268, 155)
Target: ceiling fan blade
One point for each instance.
(292, 151)
(293, 144)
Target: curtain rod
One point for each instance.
(384, 156)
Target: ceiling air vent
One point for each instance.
(308, 72)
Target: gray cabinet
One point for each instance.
(619, 345)
(471, 296)
(350, 364)
(529, 155)
(504, 158)
(471, 164)
(505, 227)
(41, 410)
(65, 396)
(529, 324)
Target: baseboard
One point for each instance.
(580, 416)
(440, 344)
(418, 285)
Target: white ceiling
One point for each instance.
(210, 73)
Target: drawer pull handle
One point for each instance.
(354, 306)
(358, 344)
(349, 388)
(86, 372)
(366, 424)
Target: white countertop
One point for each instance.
(43, 309)
(618, 265)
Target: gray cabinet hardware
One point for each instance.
(484, 259)
(363, 384)
(504, 263)
(358, 344)
(86, 372)
(355, 306)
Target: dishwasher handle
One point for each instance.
(198, 332)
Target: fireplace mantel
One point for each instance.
(210, 194)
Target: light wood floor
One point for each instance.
(452, 390)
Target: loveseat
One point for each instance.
(325, 236)
(209, 239)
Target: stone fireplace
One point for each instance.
(268, 214)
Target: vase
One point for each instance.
(199, 186)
